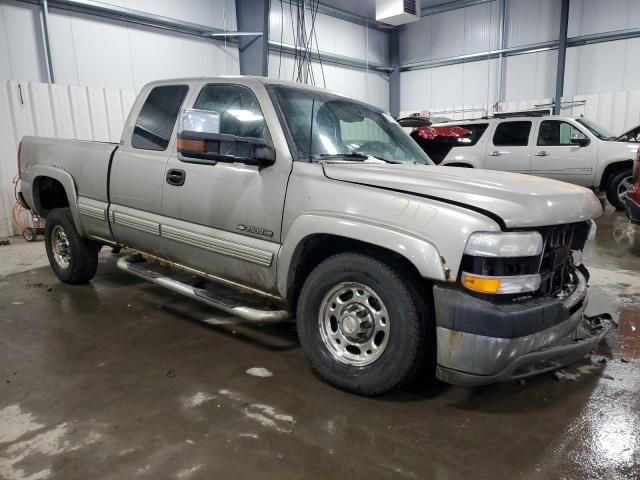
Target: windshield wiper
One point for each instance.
(350, 156)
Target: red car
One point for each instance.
(633, 194)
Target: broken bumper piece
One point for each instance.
(562, 353)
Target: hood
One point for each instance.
(518, 200)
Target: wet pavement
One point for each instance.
(122, 379)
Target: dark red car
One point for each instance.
(633, 194)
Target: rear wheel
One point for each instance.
(617, 188)
(73, 259)
(361, 324)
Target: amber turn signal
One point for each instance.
(481, 284)
(192, 146)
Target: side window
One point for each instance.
(512, 134)
(556, 133)
(157, 117)
(240, 115)
(476, 131)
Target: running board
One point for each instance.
(132, 265)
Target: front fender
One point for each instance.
(458, 156)
(66, 180)
(422, 254)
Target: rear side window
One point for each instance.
(476, 129)
(157, 117)
(512, 134)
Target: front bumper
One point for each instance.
(480, 342)
(633, 209)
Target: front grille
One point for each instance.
(556, 263)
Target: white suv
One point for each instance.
(573, 150)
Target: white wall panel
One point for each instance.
(21, 43)
(415, 90)
(531, 75)
(532, 21)
(457, 32)
(447, 34)
(101, 53)
(596, 16)
(415, 41)
(447, 84)
(59, 111)
(333, 35)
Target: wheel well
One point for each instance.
(49, 194)
(613, 169)
(462, 165)
(316, 248)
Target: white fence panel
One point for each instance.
(59, 111)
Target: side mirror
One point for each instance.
(199, 141)
(580, 141)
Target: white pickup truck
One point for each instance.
(573, 150)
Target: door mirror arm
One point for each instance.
(581, 142)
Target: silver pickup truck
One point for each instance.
(287, 201)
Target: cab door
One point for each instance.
(138, 167)
(510, 148)
(224, 217)
(564, 152)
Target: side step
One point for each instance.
(233, 306)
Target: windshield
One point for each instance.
(600, 132)
(342, 129)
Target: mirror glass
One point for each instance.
(199, 121)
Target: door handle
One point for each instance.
(176, 177)
(542, 154)
(495, 153)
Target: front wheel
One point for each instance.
(362, 325)
(73, 259)
(617, 188)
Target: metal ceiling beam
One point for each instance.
(329, 57)
(138, 17)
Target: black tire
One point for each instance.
(614, 185)
(411, 333)
(82, 254)
(29, 234)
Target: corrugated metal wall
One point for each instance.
(97, 52)
(590, 69)
(339, 37)
(58, 111)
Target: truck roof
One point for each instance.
(249, 80)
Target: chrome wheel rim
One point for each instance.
(624, 186)
(60, 247)
(354, 324)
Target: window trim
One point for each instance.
(493, 139)
(175, 122)
(559, 144)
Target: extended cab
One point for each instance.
(573, 150)
(290, 201)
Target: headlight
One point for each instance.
(505, 244)
(501, 285)
(502, 263)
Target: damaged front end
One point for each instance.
(520, 311)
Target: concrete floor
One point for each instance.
(121, 379)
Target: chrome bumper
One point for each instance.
(470, 359)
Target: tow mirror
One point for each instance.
(199, 141)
